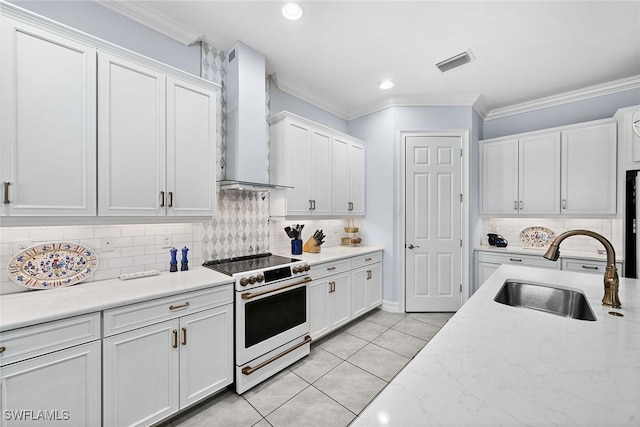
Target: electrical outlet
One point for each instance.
(107, 244)
(20, 245)
(165, 240)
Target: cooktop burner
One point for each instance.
(241, 264)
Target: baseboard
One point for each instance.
(392, 307)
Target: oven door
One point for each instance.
(270, 316)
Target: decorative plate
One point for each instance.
(536, 237)
(52, 265)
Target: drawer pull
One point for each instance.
(368, 259)
(331, 268)
(2, 349)
(175, 338)
(175, 307)
(590, 267)
(184, 336)
(6, 200)
(515, 259)
(248, 370)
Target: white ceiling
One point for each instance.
(338, 53)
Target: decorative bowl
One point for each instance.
(536, 237)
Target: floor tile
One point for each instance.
(385, 318)
(436, 319)
(275, 391)
(350, 386)
(343, 344)
(309, 409)
(416, 328)
(367, 330)
(399, 342)
(227, 409)
(315, 365)
(379, 361)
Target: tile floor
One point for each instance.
(332, 385)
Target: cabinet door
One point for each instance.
(65, 384)
(298, 145)
(131, 138)
(356, 179)
(484, 271)
(319, 167)
(206, 353)
(359, 292)
(340, 300)
(319, 309)
(140, 375)
(374, 286)
(589, 170)
(539, 174)
(47, 123)
(191, 149)
(340, 164)
(499, 177)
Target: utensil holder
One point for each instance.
(296, 247)
(311, 246)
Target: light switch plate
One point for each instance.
(20, 245)
(164, 240)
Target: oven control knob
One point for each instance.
(295, 270)
(306, 268)
(244, 281)
(260, 278)
(252, 279)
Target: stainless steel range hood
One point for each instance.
(246, 151)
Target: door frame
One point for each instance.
(400, 231)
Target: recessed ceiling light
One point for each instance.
(292, 11)
(387, 84)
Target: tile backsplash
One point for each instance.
(510, 228)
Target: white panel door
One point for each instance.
(340, 299)
(433, 270)
(319, 167)
(374, 285)
(499, 177)
(356, 179)
(340, 162)
(358, 292)
(131, 138)
(191, 149)
(140, 375)
(206, 353)
(299, 140)
(539, 174)
(589, 170)
(47, 123)
(65, 384)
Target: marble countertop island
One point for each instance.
(497, 365)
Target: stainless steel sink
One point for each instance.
(560, 301)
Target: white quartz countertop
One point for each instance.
(334, 253)
(540, 252)
(28, 308)
(496, 365)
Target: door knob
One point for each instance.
(411, 246)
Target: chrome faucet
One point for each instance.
(611, 282)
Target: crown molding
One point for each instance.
(567, 97)
(301, 92)
(151, 18)
(428, 100)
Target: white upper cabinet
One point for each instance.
(156, 142)
(589, 170)
(324, 168)
(47, 123)
(568, 171)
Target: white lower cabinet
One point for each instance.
(343, 290)
(51, 373)
(154, 371)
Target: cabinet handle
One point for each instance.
(368, 274)
(589, 267)
(331, 287)
(184, 336)
(2, 349)
(314, 205)
(310, 205)
(6, 200)
(175, 338)
(162, 199)
(330, 268)
(564, 203)
(521, 205)
(515, 259)
(170, 199)
(515, 205)
(175, 307)
(368, 259)
(350, 206)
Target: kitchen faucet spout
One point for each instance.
(611, 282)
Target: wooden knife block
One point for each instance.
(311, 246)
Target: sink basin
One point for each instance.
(560, 301)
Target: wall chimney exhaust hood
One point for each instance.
(246, 151)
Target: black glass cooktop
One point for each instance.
(241, 264)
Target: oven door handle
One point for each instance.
(251, 295)
(248, 370)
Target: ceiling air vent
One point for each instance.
(454, 61)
